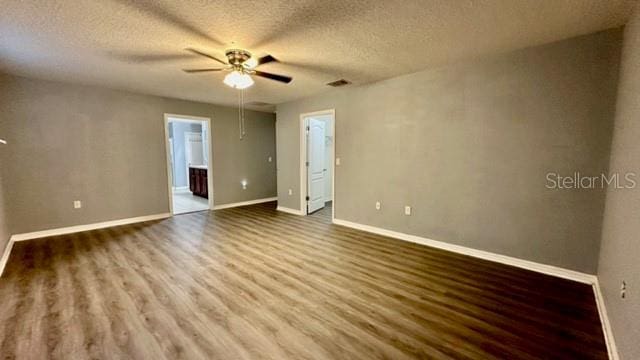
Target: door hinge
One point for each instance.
(307, 163)
(307, 198)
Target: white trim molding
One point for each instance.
(87, 227)
(205, 121)
(507, 260)
(244, 203)
(606, 325)
(485, 255)
(290, 211)
(5, 255)
(71, 230)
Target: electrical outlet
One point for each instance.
(77, 204)
(290, 192)
(378, 205)
(623, 289)
(407, 210)
(337, 161)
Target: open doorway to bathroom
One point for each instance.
(188, 142)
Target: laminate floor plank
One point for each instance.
(255, 283)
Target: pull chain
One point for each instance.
(243, 127)
(241, 113)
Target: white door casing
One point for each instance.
(315, 165)
(204, 121)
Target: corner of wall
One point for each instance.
(619, 247)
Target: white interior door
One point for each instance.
(315, 165)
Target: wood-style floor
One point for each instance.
(254, 283)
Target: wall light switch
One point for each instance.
(337, 161)
(270, 159)
(377, 205)
(290, 192)
(407, 210)
(77, 204)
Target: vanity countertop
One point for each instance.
(204, 167)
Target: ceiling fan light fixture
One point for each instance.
(238, 80)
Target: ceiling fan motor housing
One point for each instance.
(240, 62)
(237, 57)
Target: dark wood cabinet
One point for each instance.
(198, 182)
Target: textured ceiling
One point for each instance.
(138, 45)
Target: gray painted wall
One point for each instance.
(469, 146)
(620, 242)
(106, 148)
(5, 232)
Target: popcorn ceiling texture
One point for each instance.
(139, 45)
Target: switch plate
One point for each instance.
(77, 204)
(377, 205)
(407, 210)
(290, 192)
(270, 159)
(337, 161)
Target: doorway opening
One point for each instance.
(317, 162)
(189, 168)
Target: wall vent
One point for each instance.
(338, 83)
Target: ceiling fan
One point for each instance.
(242, 65)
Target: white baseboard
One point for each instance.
(71, 230)
(5, 255)
(503, 259)
(508, 260)
(244, 203)
(87, 227)
(606, 325)
(289, 210)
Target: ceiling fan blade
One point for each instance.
(201, 70)
(266, 59)
(281, 78)
(206, 55)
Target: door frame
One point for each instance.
(195, 120)
(303, 160)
